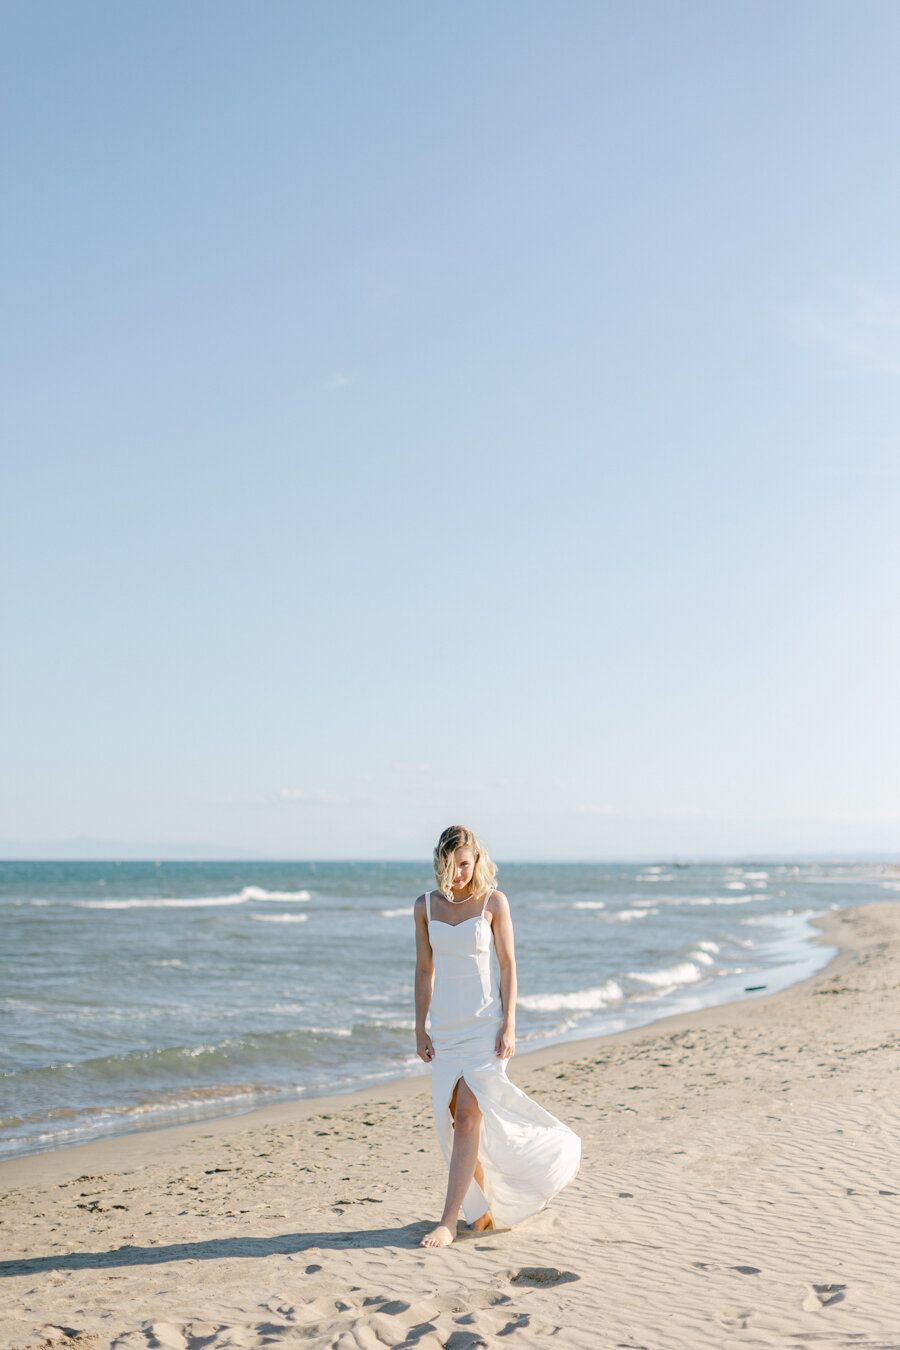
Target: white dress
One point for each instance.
(526, 1154)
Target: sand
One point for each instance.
(740, 1186)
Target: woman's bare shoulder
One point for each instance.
(497, 902)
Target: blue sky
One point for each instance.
(430, 413)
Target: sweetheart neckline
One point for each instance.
(430, 919)
(457, 925)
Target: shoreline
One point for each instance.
(135, 1145)
(738, 1188)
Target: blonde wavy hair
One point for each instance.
(484, 875)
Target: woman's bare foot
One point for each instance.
(438, 1237)
(483, 1222)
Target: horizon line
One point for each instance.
(688, 860)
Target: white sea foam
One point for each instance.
(203, 902)
(258, 893)
(703, 957)
(194, 902)
(280, 918)
(717, 900)
(684, 973)
(772, 920)
(756, 876)
(735, 885)
(626, 914)
(395, 913)
(582, 1000)
(708, 946)
(589, 904)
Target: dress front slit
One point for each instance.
(527, 1155)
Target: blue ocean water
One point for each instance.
(137, 994)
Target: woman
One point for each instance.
(506, 1155)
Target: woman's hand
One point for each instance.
(424, 1048)
(505, 1044)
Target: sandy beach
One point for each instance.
(740, 1186)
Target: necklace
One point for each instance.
(456, 902)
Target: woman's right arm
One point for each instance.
(424, 980)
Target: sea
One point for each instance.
(140, 994)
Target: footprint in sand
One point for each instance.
(823, 1296)
(542, 1276)
(521, 1320)
(479, 1300)
(57, 1335)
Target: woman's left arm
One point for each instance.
(505, 1045)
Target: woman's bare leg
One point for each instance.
(466, 1130)
(479, 1170)
(484, 1220)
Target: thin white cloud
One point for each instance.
(339, 380)
(298, 796)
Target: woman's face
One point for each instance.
(463, 868)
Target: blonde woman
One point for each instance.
(507, 1156)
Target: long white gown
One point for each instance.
(527, 1155)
